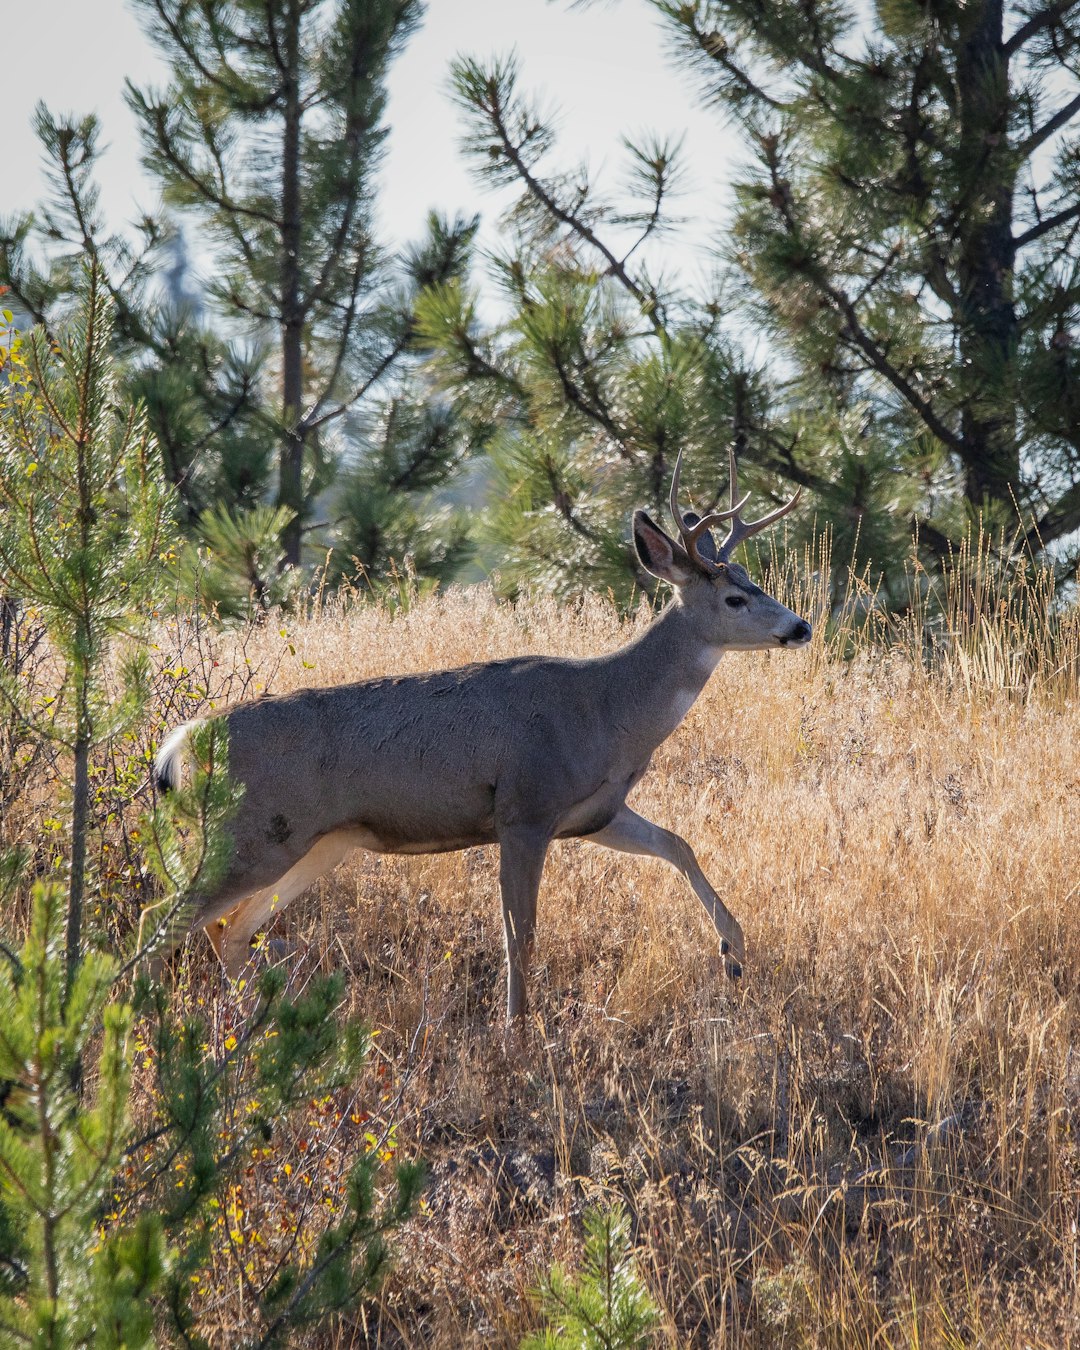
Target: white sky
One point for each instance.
(605, 67)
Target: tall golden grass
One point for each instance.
(872, 1138)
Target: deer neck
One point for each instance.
(660, 675)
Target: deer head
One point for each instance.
(731, 612)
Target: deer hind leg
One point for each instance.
(521, 863)
(630, 833)
(231, 935)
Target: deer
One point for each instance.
(517, 752)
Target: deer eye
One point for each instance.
(734, 601)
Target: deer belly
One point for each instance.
(389, 844)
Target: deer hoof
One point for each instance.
(732, 966)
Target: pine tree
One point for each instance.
(85, 520)
(201, 391)
(68, 1282)
(268, 136)
(603, 371)
(911, 238)
(604, 1307)
(907, 246)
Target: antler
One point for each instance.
(740, 529)
(690, 534)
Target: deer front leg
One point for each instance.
(630, 833)
(521, 863)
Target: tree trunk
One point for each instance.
(987, 316)
(291, 489)
(80, 820)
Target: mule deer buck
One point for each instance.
(516, 752)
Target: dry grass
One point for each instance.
(871, 1140)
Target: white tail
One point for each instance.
(515, 753)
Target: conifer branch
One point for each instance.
(229, 87)
(1061, 519)
(1049, 17)
(566, 216)
(312, 423)
(1063, 115)
(715, 47)
(1047, 224)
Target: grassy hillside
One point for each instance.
(869, 1140)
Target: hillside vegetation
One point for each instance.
(871, 1139)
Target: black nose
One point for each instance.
(800, 633)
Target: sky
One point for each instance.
(606, 67)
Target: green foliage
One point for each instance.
(261, 384)
(394, 514)
(601, 374)
(238, 570)
(606, 1306)
(106, 1229)
(908, 240)
(267, 138)
(904, 251)
(111, 1202)
(215, 1113)
(74, 1281)
(86, 515)
(86, 521)
(202, 392)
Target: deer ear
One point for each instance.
(659, 554)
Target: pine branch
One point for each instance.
(229, 87)
(344, 340)
(1049, 17)
(880, 362)
(856, 335)
(658, 173)
(595, 413)
(1064, 114)
(1061, 519)
(22, 297)
(715, 47)
(217, 198)
(782, 461)
(312, 423)
(1047, 224)
(566, 216)
(563, 504)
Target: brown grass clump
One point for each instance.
(871, 1140)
